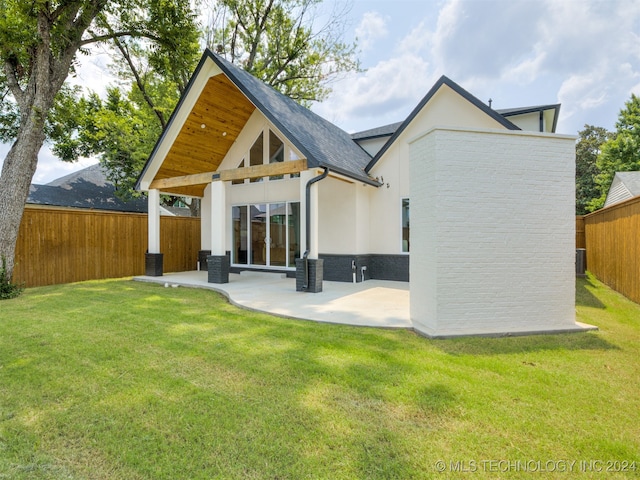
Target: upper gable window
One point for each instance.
(256, 154)
(268, 148)
(276, 152)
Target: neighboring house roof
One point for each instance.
(86, 188)
(625, 185)
(460, 91)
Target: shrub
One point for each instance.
(7, 288)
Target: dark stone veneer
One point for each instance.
(316, 268)
(153, 264)
(218, 268)
(338, 268)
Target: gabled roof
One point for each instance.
(460, 91)
(625, 185)
(318, 140)
(86, 188)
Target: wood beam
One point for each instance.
(183, 181)
(257, 171)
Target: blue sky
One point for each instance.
(584, 54)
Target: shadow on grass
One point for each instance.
(584, 297)
(524, 344)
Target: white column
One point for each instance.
(218, 217)
(154, 220)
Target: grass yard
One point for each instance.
(124, 380)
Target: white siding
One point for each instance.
(373, 145)
(618, 192)
(338, 222)
(492, 232)
(445, 108)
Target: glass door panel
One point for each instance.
(278, 234)
(294, 233)
(240, 235)
(266, 234)
(259, 219)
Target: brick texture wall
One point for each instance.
(492, 232)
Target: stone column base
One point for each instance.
(202, 259)
(315, 273)
(153, 264)
(218, 268)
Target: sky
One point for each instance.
(584, 54)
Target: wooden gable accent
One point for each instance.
(257, 171)
(223, 110)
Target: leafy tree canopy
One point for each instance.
(621, 152)
(284, 43)
(587, 151)
(276, 40)
(40, 41)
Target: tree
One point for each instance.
(587, 151)
(39, 43)
(280, 42)
(621, 152)
(275, 40)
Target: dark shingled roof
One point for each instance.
(320, 141)
(86, 188)
(384, 131)
(506, 112)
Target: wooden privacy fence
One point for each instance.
(62, 245)
(580, 237)
(613, 246)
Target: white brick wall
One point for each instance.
(492, 232)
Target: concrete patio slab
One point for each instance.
(374, 303)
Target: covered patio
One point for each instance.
(374, 303)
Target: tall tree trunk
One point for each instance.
(48, 68)
(18, 170)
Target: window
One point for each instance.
(405, 225)
(276, 152)
(256, 155)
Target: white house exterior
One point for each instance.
(625, 185)
(481, 200)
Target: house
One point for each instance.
(625, 185)
(481, 200)
(90, 188)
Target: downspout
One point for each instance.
(305, 257)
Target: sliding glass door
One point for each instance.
(266, 234)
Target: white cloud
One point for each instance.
(372, 27)
(385, 93)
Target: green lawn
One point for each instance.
(125, 380)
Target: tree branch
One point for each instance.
(117, 35)
(139, 82)
(13, 84)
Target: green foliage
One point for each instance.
(620, 153)
(8, 289)
(280, 42)
(587, 151)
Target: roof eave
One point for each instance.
(443, 80)
(187, 90)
